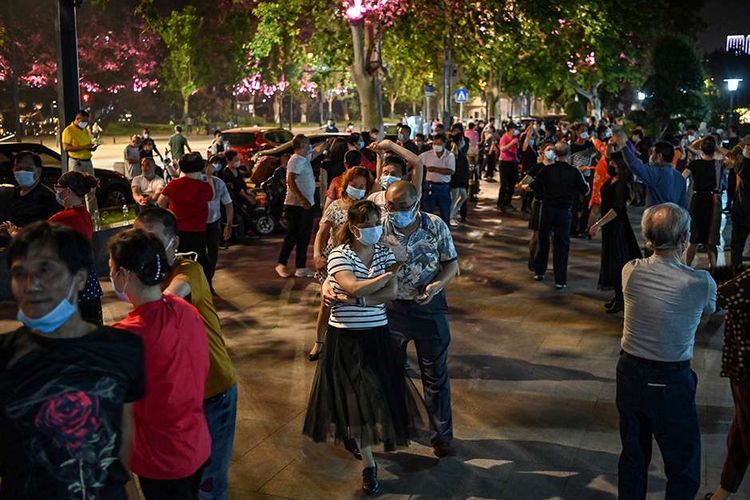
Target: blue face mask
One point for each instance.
(59, 200)
(354, 193)
(531, 142)
(53, 319)
(370, 235)
(361, 144)
(550, 155)
(585, 136)
(403, 218)
(387, 180)
(24, 178)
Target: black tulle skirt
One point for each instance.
(619, 246)
(361, 391)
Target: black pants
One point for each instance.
(658, 400)
(508, 177)
(298, 230)
(490, 161)
(555, 221)
(740, 232)
(581, 211)
(213, 239)
(195, 242)
(427, 325)
(185, 488)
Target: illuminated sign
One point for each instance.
(740, 43)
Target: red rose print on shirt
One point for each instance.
(70, 418)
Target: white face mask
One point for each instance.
(437, 149)
(83, 125)
(354, 193)
(121, 294)
(145, 136)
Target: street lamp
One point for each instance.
(641, 95)
(732, 85)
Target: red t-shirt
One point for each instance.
(510, 154)
(76, 218)
(370, 165)
(188, 199)
(171, 435)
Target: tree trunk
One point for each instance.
(185, 106)
(592, 96)
(345, 109)
(277, 102)
(392, 99)
(367, 81)
(303, 111)
(252, 105)
(414, 108)
(330, 99)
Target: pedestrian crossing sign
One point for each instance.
(462, 94)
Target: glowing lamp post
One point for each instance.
(732, 85)
(641, 96)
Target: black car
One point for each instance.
(114, 188)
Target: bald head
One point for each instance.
(562, 150)
(665, 226)
(401, 195)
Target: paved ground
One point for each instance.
(533, 381)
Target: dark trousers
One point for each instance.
(556, 222)
(194, 242)
(489, 165)
(581, 211)
(298, 229)
(427, 325)
(213, 240)
(738, 440)
(438, 194)
(658, 399)
(740, 232)
(185, 488)
(508, 177)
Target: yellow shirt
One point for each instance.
(221, 375)
(76, 136)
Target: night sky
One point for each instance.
(724, 17)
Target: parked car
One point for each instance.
(114, 188)
(249, 140)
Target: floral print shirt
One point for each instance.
(423, 252)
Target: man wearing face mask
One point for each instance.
(355, 142)
(77, 143)
(393, 168)
(148, 186)
(664, 183)
(298, 208)
(404, 140)
(423, 243)
(31, 200)
(219, 144)
(664, 301)
(147, 147)
(440, 165)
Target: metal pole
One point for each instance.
(447, 70)
(731, 107)
(291, 110)
(461, 112)
(69, 100)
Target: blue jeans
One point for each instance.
(438, 195)
(221, 415)
(555, 221)
(658, 400)
(427, 325)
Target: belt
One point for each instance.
(670, 365)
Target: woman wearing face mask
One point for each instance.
(619, 245)
(357, 182)
(361, 395)
(66, 386)
(32, 201)
(70, 191)
(172, 443)
(459, 180)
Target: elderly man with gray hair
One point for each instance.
(664, 301)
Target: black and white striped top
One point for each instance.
(343, 258)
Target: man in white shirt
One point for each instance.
(440, 165)
(148, 186)
(300, 198)
(664, 301)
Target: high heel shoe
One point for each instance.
(315, 356)
(370, 484)
(351, 446)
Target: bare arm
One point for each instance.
(361, 288)
(126, 435)
(291, 183)
(384, 295)
(163, 201)
(179, 287)
(323, 183)
(509, 145)
(321, 238)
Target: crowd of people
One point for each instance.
(156, 392)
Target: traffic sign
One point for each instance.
(462, 94)
(429, 90)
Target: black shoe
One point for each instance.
(316, 356)
(560, 286)
(538, 277)
(610, 303)
(442, 449)
(351, 446)
(616, 307)
(370, 484)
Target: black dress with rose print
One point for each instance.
(61, 403)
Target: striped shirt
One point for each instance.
(354, 317)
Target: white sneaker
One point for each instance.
(282, 271)
(304, 273)
(454, 223)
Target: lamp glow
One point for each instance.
(733, 83)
